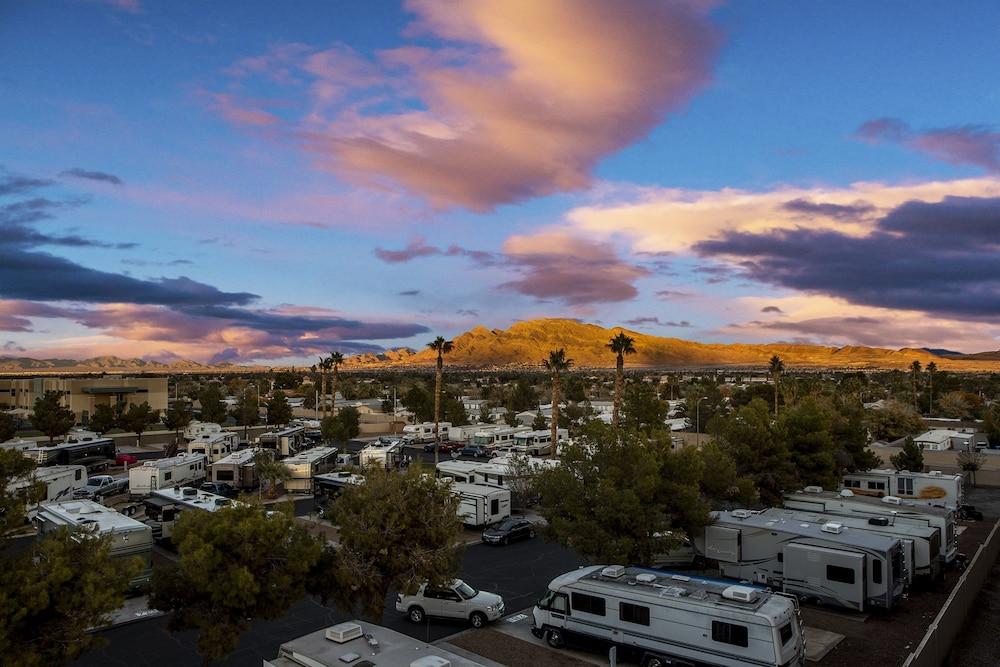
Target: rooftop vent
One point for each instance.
(813, 489)
(680, 577)
(613, 572)
(846, 493)
(742, 514)
(343, 632)
(740, 593)
(833, 527)
(892, 500)
(645, 578)
(935, 472)
(188, 492)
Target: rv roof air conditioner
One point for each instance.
(613, 572)
(740, 593)
(343, 632)
(833, 527)
(742, 514)
(936, 473)
(892, 500)
(846, 493)
(813, 489)
(188, 492)
(645, 578)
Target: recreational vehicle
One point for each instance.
(845, 503)
(537, 443)
(464, 434)
(671, 619)
(307, 464)
(928, 488)
(165, 474)
(215, 446)
(415, 434)
(311, 428)
(481, 505)
(286, 442)
(826, 561)
(19, 445)
(460, 471)
(495, 438)
(165, 506)
(381, 454)
(238, 470)
(129, 538)
(95, 454)
(332, 483)
(59, 483)
(196, 429)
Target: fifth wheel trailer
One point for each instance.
(164, 507)
(307, 464)
(854, 569)
(481, 505)
(166, 473)
(238, 470)
(60, 483)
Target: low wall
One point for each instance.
(934, 647)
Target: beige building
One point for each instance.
(82, 395)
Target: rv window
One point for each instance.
(880, 486)
(786, 633)
(588, 604)
(842, 575)
(167, 476)
(223, 475)
(906, 486)
(633, 613)
(495, 506)
(728, 633)
(876, 572)
(79, 473)
(168, 515)
(852, 483)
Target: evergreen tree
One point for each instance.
(177, 418)
(50, 417)
(911, 457)
(759, 447)
(270, 470)
(721, 483)
(642, 409)
(485, 417)
(510, 418)
(247, 410)
(212, 407)
(893, 421)
(523, 396)
(104, 419)
(341, 427)
(15, 469)
(138, 418)
(539, 423)
(278, 409)
(8, 426)
(807, 429)
(419, 401)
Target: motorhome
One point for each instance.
(415, 434)
(19, 445)
(165, 506)
(95, 454)
(285, 442)
(481, 505)
(496, 438)
(845, 503)
(307, 464)
(332, 483)
(196, 429)
(381, 454)
(671, 619)
(166, 473)
(311, 428)
(460, 471)
(826, 561)
(537, 443)
(128, 538)
(59, 483)
(238, 470)
(215, 446)
(928, 488)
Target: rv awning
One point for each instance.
(110, 390)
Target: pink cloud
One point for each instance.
(241, 112)
(964, 144)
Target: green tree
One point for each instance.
(418, 401)
(247, 410)
(775, 368)
(539, 423)
(758, 445)
(342, 426)
(396, 532)
(971, 461)
(621, 345)
(991, 423)
(15, 497)
(441, 347)
(325, 364)
(212, 407)
(510, 418)
(955, 405)
(893, 421)
(177, 418)
(51, 595)
(910, 457)
(237, 565)
(50, 417)
(850, 437)
(335, 360)
(270, 470)
(485, 415)
(453, 410)
(556, 364)
(642, 409)
(8, 426)
(722, 485)
(138, 419)
(104, 419)
(522, 396)
(278, 409)
(810, 443)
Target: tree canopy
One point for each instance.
(8, 426)
(104, 418)
(278, 409)
(212, 407)
(50, 417)
(910, 457)
(138, 418)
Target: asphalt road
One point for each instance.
(519, 572)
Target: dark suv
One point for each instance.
(509, 530)
(220, 489)
(475, 450)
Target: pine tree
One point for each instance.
(212, 408)
(278, 409)
(138, 419)
(911, 457)
(50, 417)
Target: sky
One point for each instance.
(263, 182)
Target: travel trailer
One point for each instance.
(165, 506)
(95, 454)
(671, 619)
(460, 471)
(537, 443)
(286, 442)
(215, 446)
(414, 434)
(165, 474)
(307, 464)
(845, 503)
(196, 429)
(827, 561)
(464, 434)
(928, 488)
(238, 470)
(59, 482)
(481, 505)
(129, 538)
(382, 454)
(495, 438)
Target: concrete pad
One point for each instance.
(820, 642)
(518, 625)
(468, 655)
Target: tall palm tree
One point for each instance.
(335, 359)
(776, 367)
(442, 347)
(931, 371)
(556, 364)
(324, 369)
(621, 345)
(915, 376)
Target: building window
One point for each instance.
(841, 575)
(633, 613)
(852, 483)
(880, 486)
(729, 633)
(588, 604)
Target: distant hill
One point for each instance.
(525, 343)
(106, 364)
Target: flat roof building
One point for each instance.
(83, 395)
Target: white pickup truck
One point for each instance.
(100, 486)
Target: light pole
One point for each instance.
(697, 423)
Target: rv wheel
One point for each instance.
(416, 614)
(531, 534)
(654, 661)
(555, 639)
(477, 619)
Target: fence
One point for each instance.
(934, 647)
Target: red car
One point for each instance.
(443, 448)
(122, 459)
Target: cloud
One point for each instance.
(100, 176)
(639, 321)
(12, 346)
(668, 294)
(409, 292)
(808, 208)
(467, 312)
(977, 145)
(521, 100)
(16, 184)
(127, 6)
(771, 309)
(418, 248)
(241, 111)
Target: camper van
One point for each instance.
(381, 454)
(94, 453)
(495, 438)
(215, 446)
(826, 562)
(307, 464)
(537, 443)
(165, 506)
(481, 505)
(286, 442)
(165, 474)
(60, 483)
(671, 619)
(415, 434)
(845, 503)
(129, 538)
(237, 470)
(196, 429)
(927, 488)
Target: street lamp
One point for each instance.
(697, 423)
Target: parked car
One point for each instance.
(969, 513)
(220, 489)
(457, 600)
(478, 451)
(443, 448)
(509, 530)
(123, 459)
(101, 486)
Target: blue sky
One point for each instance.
(375, 174)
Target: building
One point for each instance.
(940, 439)
(83, 395)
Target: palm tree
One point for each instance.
(442, 347)
(620, 345)
(931, 370)
(776, 368)
(915, 375)
(556, 364)
(335, 359)
(323, 366)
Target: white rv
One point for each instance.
(307, 464)
(382, 454)
(215, 446)
(464, 434)
(59, 482)
(419, 433)
(94, 453)
(481, 505)
(238, 470)
(332, 483)
(19, 445)
(845, 503)
(285, 442)
(165, 506)
(928, 488)
(165, 474)
(196, 429)
(537, 443)
(460, 471)
(495, 438)
(671, 619)
(129, 538)
(825, 561)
